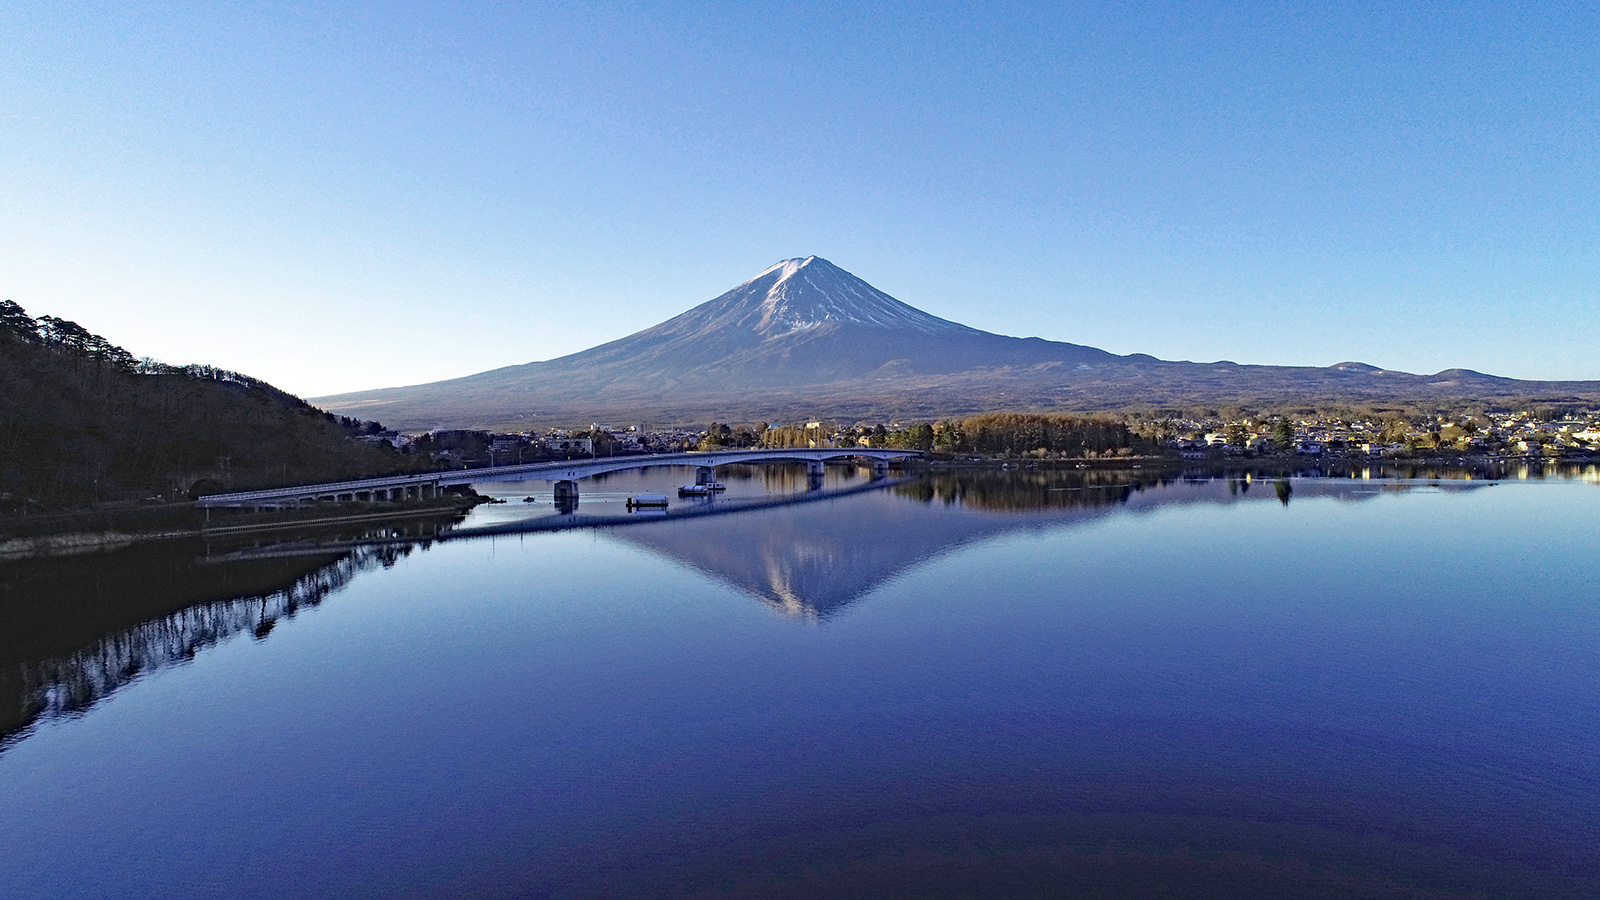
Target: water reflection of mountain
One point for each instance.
(813, 560)
(74, 630)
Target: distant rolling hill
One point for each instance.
(805, 338)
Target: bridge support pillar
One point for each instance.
(814, 471)
(880, 468)
(566, 497)
(705, 475)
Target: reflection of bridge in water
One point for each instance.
(808, 556)
(565, 474)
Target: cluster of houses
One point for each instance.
(632, 439)
(1521, 434)
(1506, 435)
(502, 448)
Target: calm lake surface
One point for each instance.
(992, 684)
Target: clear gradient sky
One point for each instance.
(336, 196)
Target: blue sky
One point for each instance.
(343, 196)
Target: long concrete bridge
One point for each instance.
(565, 474)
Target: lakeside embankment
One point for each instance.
(101, 529)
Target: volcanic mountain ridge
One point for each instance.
(806, 338)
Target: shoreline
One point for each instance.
(77, 541)
(112, 529)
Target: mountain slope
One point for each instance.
(806, 338)
(808, 321)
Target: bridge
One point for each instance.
(565, 474)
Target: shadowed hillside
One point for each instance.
(82, 420)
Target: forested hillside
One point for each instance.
(82, 420)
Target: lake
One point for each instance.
(987, 683)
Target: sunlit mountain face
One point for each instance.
(805, 321)
(797, 295)
(805, 338)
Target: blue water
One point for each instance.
(1181, 690)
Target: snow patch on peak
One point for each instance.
(786, 268)
(806, 293)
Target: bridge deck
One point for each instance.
(560, 470)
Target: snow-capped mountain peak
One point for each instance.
(805, 339)
(804, 293)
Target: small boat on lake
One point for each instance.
(647, 501)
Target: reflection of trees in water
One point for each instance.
(1025, 490)
(1012, 491)
(70, 684)
(781, 479)
(1492, 470)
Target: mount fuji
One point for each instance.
(804, 321)
(805, 338)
